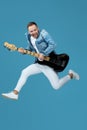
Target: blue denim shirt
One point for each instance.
(44, 43)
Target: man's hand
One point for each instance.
(21, 50)
(41, 57)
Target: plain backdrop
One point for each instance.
(40, 107)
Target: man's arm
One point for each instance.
(49, 41)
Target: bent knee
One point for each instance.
(56, 87)
(23, 72)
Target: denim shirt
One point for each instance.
(44, 43)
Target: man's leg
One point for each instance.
(55, 81)
(30, 70)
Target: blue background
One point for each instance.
(40, 107)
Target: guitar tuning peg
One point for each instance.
(9, 49)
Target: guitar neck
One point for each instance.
(14, 48)
(47, 58)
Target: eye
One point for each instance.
(31, 31)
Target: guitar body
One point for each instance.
(57, 61)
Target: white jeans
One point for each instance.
(47, 71)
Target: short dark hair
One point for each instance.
(31, 23)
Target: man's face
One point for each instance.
(33, 31)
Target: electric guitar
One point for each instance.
(56, 61)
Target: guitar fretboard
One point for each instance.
(14, 48)
(47, 58)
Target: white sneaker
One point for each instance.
(10, 95)
(75, 75)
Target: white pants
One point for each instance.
(47, 71)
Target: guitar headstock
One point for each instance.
(10, 46)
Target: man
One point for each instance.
(41, 42)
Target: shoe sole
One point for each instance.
(9, 97)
